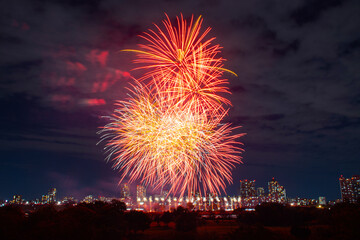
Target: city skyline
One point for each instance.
(249, 198)
(349, 191)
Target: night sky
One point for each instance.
(297, 94)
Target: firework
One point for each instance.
(169, 132)
(179, 60)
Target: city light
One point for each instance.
(248, 198)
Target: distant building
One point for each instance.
(44, 199)
(260, 192)
(248, 193)
(105, 199)
(322, 201)
(16, 199)
(349, 188)
(125, 191)
(89, 199)
(247, 188)
(302, 202)
(356, 183)
(69, 200)
(140, 192)
(51, 196)
(277, 192)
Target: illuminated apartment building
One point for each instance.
(247, 188)
(356, 184)
(260, 192)
(277, 192)
(350, 188)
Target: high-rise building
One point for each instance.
(140, 192)
(277, 192)
(260, 192)
(356, 183)
(350, 188)
(247, 188)
(125, 191)
(51, 195)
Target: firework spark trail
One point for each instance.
(169, 132)
(179, 62)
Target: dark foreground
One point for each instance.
(110, 221)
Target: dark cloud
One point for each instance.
(311, 10)
(349, 47)
(291, 47)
